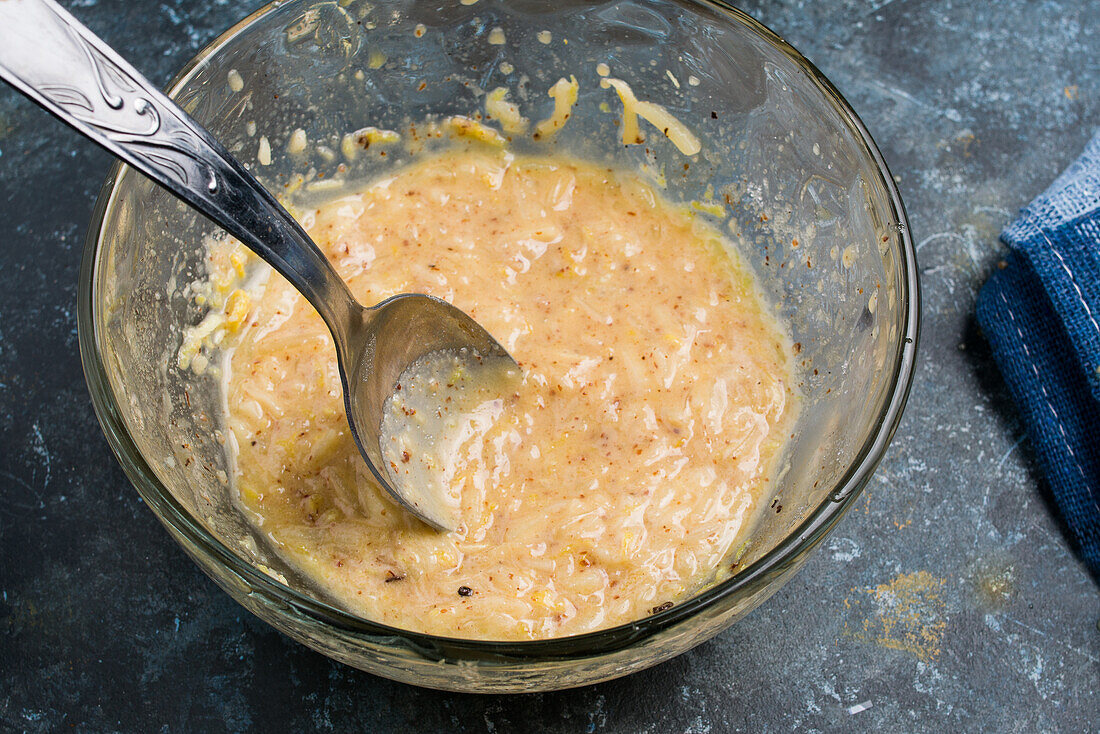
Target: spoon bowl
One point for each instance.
(394, 335)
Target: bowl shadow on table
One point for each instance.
(353, 697)
(979, 357)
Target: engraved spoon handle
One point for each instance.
(52, 58)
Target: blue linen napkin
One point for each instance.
(1040, 311)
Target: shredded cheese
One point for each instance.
(263, 154)
(297, 143)
(564, 94)
(654, 114)
(464, 127)
(499, 108)
(365, 137)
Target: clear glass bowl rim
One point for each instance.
(789, 551)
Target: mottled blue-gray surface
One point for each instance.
(947, 600)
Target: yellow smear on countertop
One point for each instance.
(908, 614)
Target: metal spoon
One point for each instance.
(50, 57)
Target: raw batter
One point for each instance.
(656, 394)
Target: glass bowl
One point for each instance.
(785, 165)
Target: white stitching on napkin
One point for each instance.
(1073, 281)
(1046, 395)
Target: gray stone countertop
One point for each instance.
(947, 600)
